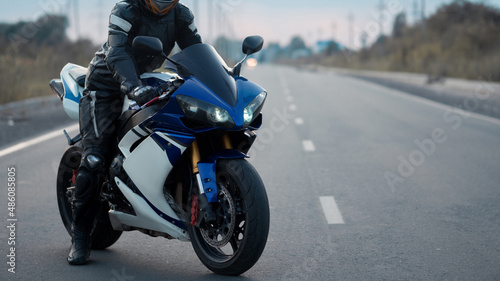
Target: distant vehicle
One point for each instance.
(252, 63)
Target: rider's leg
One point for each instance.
(98, 114)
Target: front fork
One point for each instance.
(205, 174)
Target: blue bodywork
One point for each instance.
(170, 119)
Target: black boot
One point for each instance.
(79, 252)
(85, 208)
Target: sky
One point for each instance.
(276, 20)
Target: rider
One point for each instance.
(113, 72)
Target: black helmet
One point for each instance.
(159, 7)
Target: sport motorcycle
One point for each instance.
(179, 167)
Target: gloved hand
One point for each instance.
(142, 94)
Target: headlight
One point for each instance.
(218, 115)
(205, 112)
(253, 109)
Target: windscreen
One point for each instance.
(204, 63)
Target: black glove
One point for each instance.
(142, 94)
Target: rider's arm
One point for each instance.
(120, 58)
(187, 33)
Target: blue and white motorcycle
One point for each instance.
(180, 170)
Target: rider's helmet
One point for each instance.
(159, 7)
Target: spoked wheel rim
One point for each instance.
(223, 239)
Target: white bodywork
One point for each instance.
(72, 92)
(148, 166)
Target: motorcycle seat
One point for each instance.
(79, 73)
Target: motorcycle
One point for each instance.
(180, 168)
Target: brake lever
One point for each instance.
(161, 97)
(166, 90)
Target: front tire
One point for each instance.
(103, 235)
(235, 243)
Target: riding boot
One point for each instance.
(83, 223)
(79, 252)
(85, 208)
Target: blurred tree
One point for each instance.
(297, 43)
(32, 53)
(333, 48)
(399, 25)
(51, 30)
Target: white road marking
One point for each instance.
(308, 146)
(292, 107)
(332, 212)
(299, 121)
(42, 138)
(284, 85)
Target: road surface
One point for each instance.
(364, 183)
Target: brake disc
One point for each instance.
(219, 233)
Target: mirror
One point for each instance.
(252, 44)
(148, 46)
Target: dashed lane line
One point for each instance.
(308, 146)
(331, 210)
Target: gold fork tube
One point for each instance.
(195, 156)
(226, 142)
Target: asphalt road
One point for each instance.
(416, 184)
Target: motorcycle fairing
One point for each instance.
(72, 91)
(171, 117)
(145, 217)
(148, 165)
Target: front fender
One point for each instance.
(208, 170)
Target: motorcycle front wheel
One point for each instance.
(103, 234)
(235, 242)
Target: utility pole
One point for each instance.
(351, 30)
(100, 20)
(415, 11)
(210, 11)
(334, 31)
(195, 9)
(77, 19)
(381, 8)
(68, 10)
(424, 23)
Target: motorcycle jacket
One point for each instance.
(116, 64)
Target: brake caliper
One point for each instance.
(195, 210)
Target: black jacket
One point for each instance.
(115, 63)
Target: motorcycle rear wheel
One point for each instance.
(242, 225)
(103, 235)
